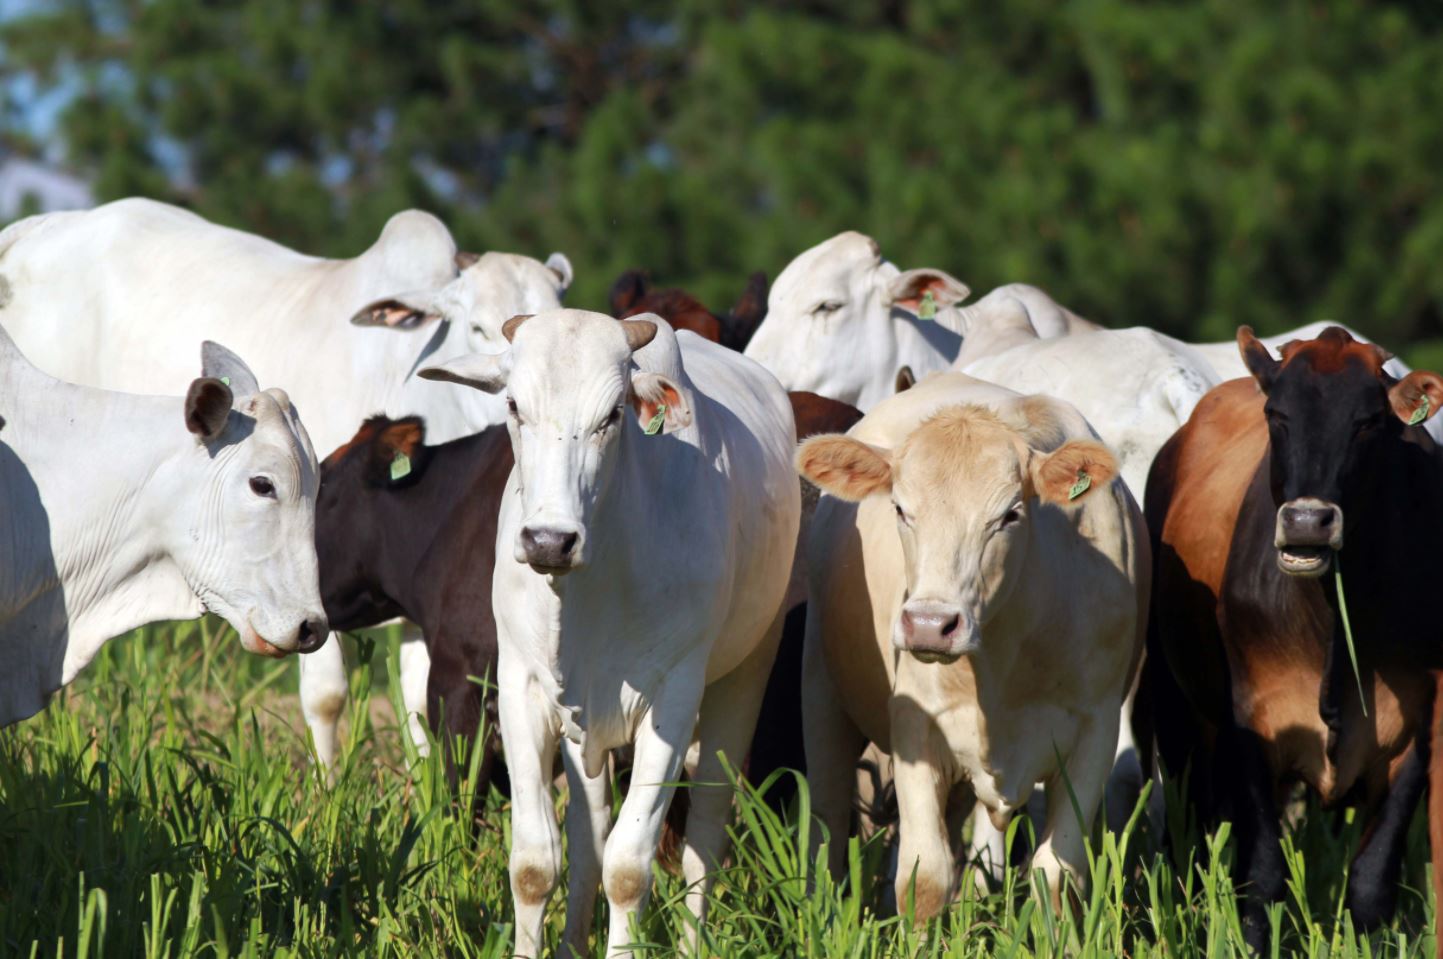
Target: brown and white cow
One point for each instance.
(1318, 462)
(978, 584)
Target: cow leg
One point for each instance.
(1373, 878)
(1063, 844)
(833, 746)
(323, 697)
(987, 848)
(662, 738)
(530, 736)
(1260, 867)
(922, 772)
(415, 670)
(588, 819)
(725, 725)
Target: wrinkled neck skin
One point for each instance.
(113, 535)
(990, 327)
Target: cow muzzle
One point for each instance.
(935, 632)
(549, 549)
(1308, 532)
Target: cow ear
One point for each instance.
(207, 407)
(1416, 397)
(395, 451)
(909, 289)
(558, 264)
(406, 311)
(1257, 359)
(628, 288)
(487, 372)
(1072, 471)
(659, 404)
(219, 363)
(748, 313)
(847, 468)
(464, 260)
(905, 380)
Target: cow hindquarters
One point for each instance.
(727, 718)
(323, 697)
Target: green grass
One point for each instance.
(166, 805)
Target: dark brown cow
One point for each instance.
(416, 538)
(1317, 460)
(632, 294)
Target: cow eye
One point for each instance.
(901, 515)
(611, 420)
(261, 486)
(1011, 518)
(827, 306)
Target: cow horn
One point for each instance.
(638, 333)
(509, 328)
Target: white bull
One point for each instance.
(643, 552)
(121, 510)
(119, 296)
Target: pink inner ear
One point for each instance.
(913, 301)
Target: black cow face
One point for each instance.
(1330, 408)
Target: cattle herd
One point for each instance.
(1067, 559)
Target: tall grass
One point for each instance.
(168, 805)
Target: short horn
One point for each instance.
(509, 328)
(638, 333)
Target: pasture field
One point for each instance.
(166, 805)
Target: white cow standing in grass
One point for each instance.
(643, 552)
(119, 296)
(119, 510)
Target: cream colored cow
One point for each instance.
(978, 589)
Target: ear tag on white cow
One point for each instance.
(928, 308)
(225, 380)
(400, 466)
(1083, 484)
(1421, 413)
(653, 425)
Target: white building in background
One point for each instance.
(46, 187)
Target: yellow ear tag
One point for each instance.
(927, 310)
(1083, 484)
(400, 466)
(1421, 413)
(653, 426)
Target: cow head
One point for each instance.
(383, 456)
(964, 487)
(835, 316)
(1330, 408)
(633, 295)
(575, 400)
(240, 511)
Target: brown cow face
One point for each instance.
(963, 487)
(1330, 406)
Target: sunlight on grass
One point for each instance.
(167, 805)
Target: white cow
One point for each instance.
(841, 321)
(643, 551)
(121, 510)
(136, 284)
(977, 603)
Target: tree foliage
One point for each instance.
(1189, 165)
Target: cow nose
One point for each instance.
(312, 635)
(1310, 522)
(930, 632)
(549, 548)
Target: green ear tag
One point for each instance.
(1083, 484)
(928, 308)
(400, 466)
(1421, 413)
(653, 426)
(225, 380)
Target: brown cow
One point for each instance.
(1317, 460)
(632, 295)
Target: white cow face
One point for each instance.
(574, 402)
(241, 517)
(833, 315)
(963, 487)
